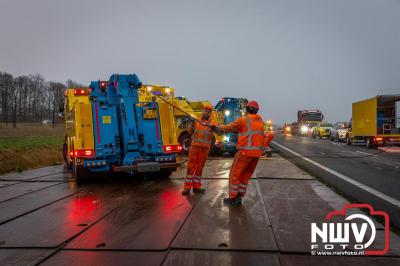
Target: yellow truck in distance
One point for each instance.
(375, 121)
(179, 128)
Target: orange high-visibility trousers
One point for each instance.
(242, 169)
(197, 159)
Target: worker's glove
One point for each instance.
(216, 129)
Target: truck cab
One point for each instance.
(306, 120)
(183, 121)
(229, 110)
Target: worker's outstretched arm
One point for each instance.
(232, 127)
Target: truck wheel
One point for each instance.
(81, 174)
(65, 154)
(165, 173)
(369, 143)
(185, 141)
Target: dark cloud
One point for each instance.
(289, 55)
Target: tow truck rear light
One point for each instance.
(378, 139)
(103, 85)
(78, 92)
(82, 153)
(172, 148)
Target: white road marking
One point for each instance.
(365, 153)
(377, 193)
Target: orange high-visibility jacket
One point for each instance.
(202, 135)
(251, 134)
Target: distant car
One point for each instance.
(47, 122)
(322, 130)
(339, 131)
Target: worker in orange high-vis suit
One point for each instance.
(250, 146)
(269, 136)
(201, 142)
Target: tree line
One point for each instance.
(30, 98)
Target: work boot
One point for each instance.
(186, 191)
(234, 201)
(199, 190)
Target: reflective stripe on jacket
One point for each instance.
(251, 134)
(202, 135)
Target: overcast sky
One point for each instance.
(288, 55)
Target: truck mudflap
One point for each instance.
(146, 167)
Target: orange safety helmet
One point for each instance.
(253, 104)
(207, 106)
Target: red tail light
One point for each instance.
(82, 153)
(172, 148)
(378, 139)
(103, 85)
(78, 92)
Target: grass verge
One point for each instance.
(30, 146)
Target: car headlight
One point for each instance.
(226, 138)
(304, 129)
(227, 113)
(288, 129)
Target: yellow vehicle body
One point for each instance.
(78, 123)
(374, 121)
(365, 117)
(183, 122)
(166, 111)
(174, 123)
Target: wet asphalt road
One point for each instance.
(375, 168)
(46, 218)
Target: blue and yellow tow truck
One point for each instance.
(122, 133)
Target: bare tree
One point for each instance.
(6, 83)
(30, 98)
(39, 92)
(57, 97)
(73, 84)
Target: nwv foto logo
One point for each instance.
(337, 236)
